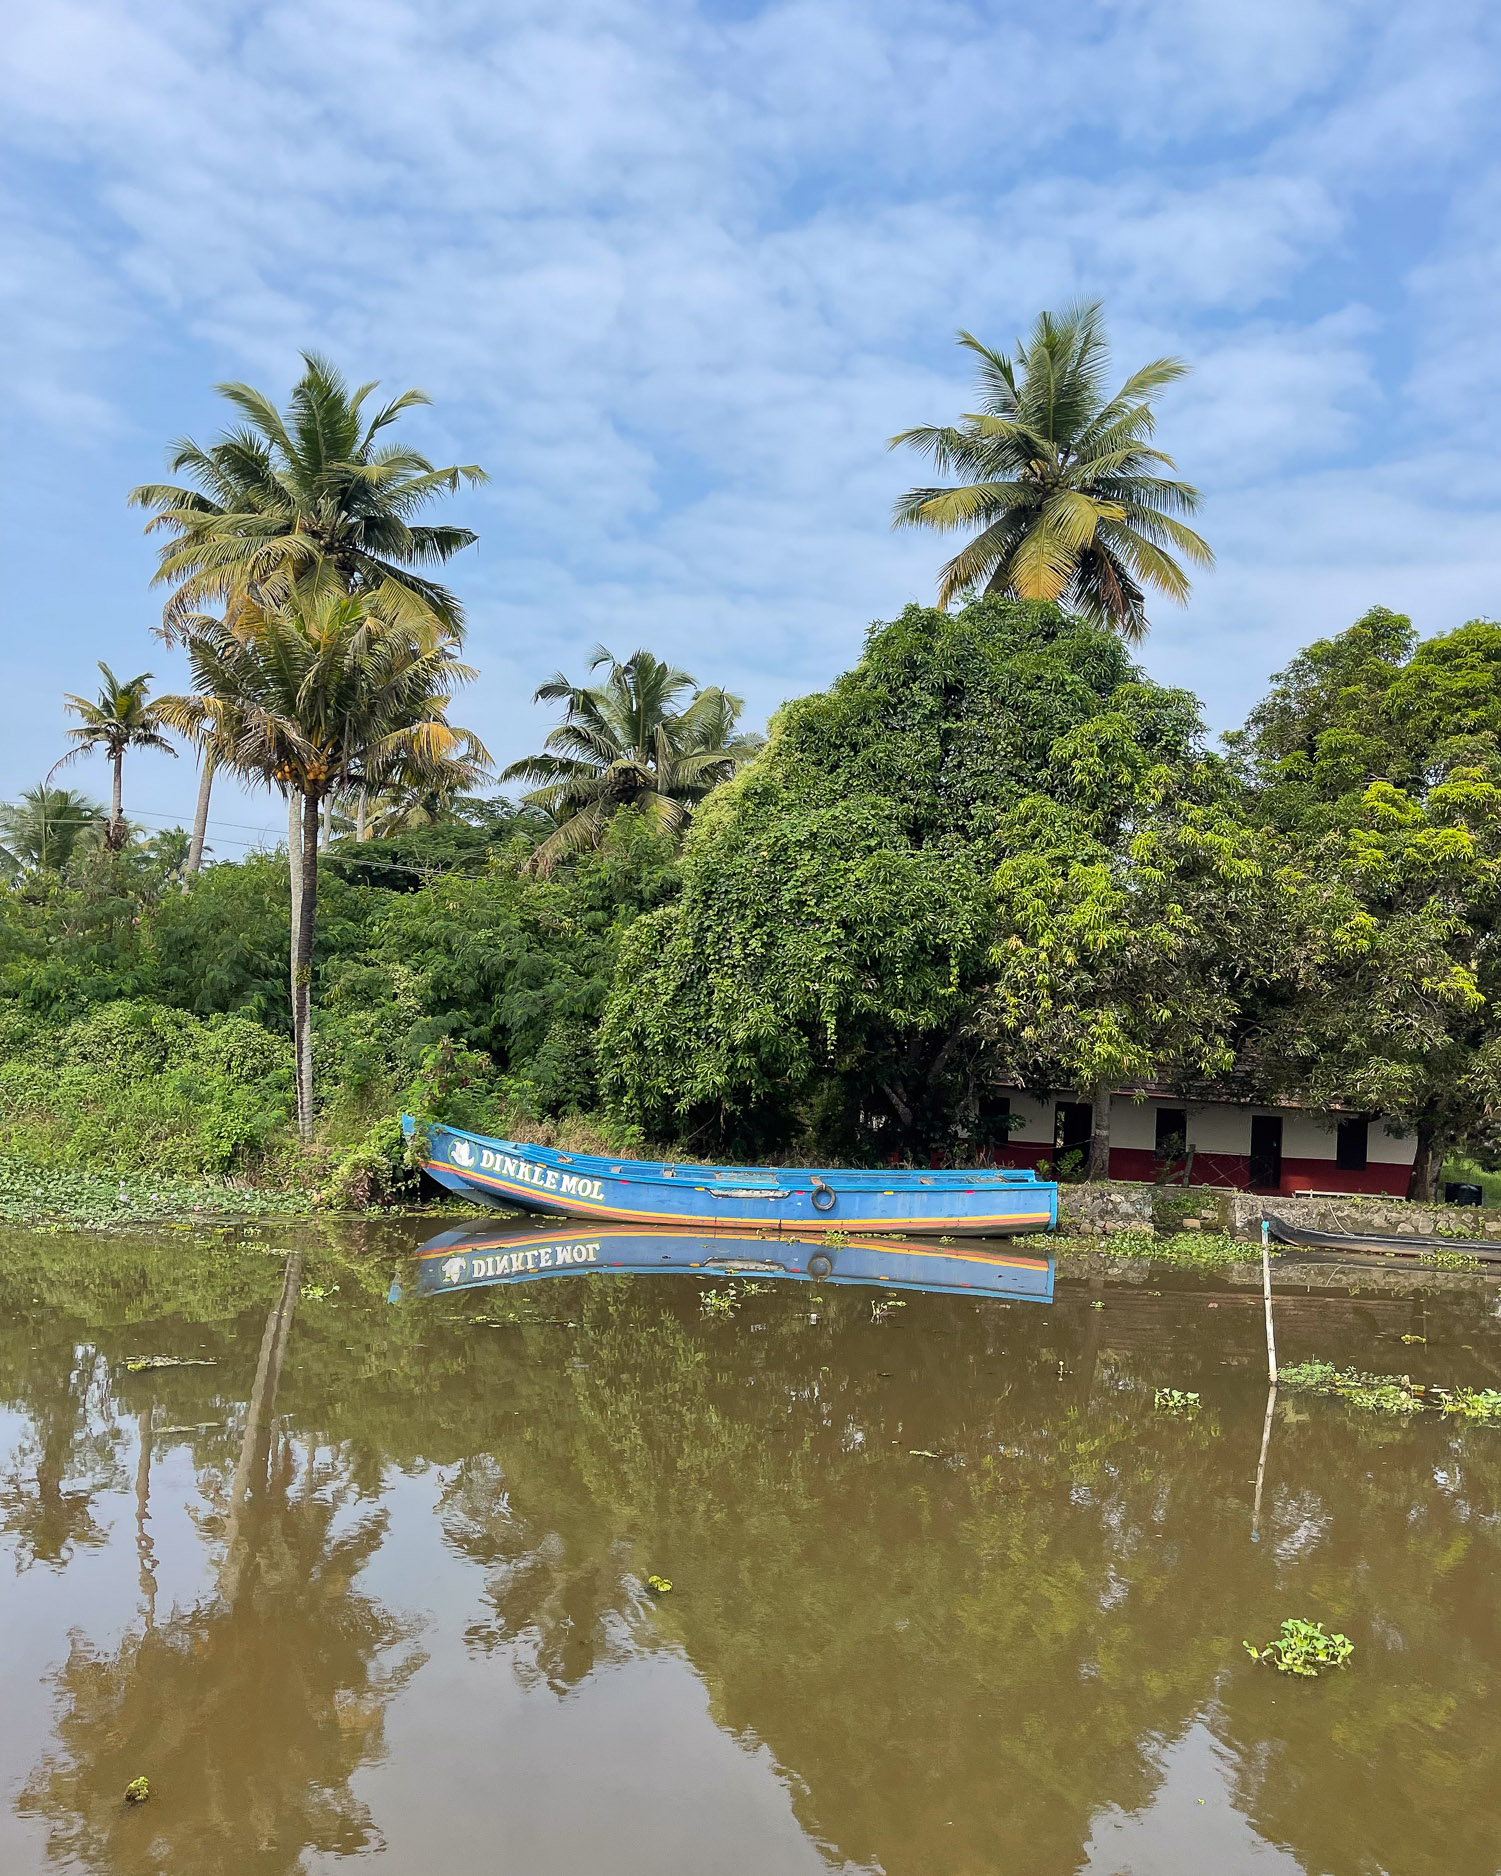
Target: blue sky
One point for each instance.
(672, 273)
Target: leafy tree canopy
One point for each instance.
(821, 970)
(1378, 757)
(1374, 704)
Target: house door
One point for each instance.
(1266, 1152)
(1072, 1132)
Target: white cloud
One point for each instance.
(674, 278)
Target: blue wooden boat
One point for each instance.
(979, 1202)
(470, 1258)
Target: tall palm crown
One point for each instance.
(626, 743)
(1060, 480)
(316, 488)
(326, 692)
(323, 694)
(118, 720)
(44, 829)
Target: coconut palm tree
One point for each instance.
(625, 743)
(399, 806)
(44, 829)
(318, 482)
(316, 487)
(1060, 480)
(120, 719)
(321, 695)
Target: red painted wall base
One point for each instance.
(1230, 1170)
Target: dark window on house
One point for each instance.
(1172, 1133)
(994, 1118)
(1266, 1150)
(1073, 1127)
(1351, 1145)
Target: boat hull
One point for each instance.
(1375, 1244)
(978, 1202)
(470, 1258)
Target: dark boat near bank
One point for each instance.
(1370, 1243)
(979, 1202)
(470, 1257)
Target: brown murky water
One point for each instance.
(949, 1595)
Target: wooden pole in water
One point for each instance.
(1266, 1294)
(1266, 1440)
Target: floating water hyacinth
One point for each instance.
(1303, 1648)
(1392, 1393)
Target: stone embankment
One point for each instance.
(1089, 1210)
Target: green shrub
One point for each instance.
(132, 1086)
(375, 1172)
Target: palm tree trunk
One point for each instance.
(1099, 1143)
(302, 967)
(361, 812)
(200, 819)
(294, 872)
(250, 1472)
(145, 1551)
(116, 836)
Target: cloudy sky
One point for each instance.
(672, 273)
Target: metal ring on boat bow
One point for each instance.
(824, 1196)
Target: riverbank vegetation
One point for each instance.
(994, 853)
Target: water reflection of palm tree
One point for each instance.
(564, 1605)
(47, 1493)
(250, 1711)
(145, 1549)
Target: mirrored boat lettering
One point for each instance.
(519, 1263)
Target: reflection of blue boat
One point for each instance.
(466, 1257)
(981, 1202)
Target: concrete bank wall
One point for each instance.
(1089, 1210)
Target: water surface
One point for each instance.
(949, 1594)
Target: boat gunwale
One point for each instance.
(677, 1175)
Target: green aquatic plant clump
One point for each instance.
(34, 1194)
(1183, 1250)
(1454, 1260)
(1374, 1393)
(1482, 1404)
(1171, 1400)
(1303, 1648)
(1392, 1393)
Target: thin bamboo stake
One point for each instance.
(1266, 1293)
(1266, 1440)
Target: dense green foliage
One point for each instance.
(1378, 761)
(830, 969)
(147, 1029)
(992, 855)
